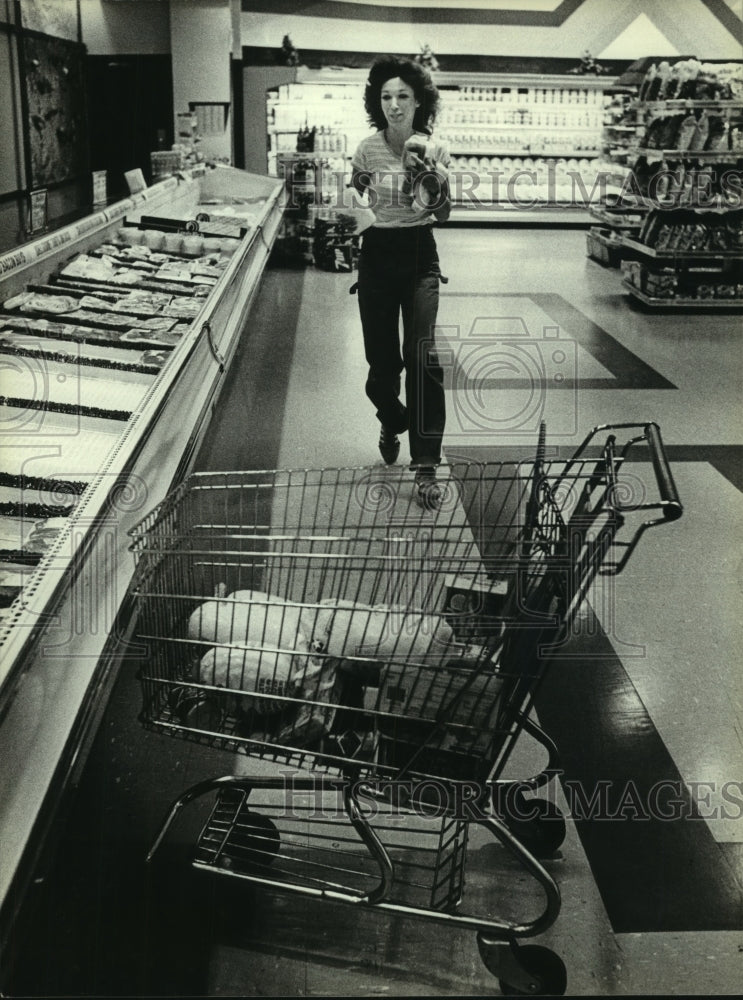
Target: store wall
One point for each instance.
(12, 167)
(42, 81)
(708, 29)
(201, 46)
(130, 89)
(131, 27)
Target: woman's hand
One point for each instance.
(429, 172)
(433, 178)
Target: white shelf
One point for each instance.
(442, 126)
(546, 212)
(704, 156)
(544, 154)
(683, 104)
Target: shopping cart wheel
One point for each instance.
(524, 970)
(537, 824)
(546, 969)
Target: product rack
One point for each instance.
(546, 120)
(686, 270)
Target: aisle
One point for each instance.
(520, 306)
(650, 701)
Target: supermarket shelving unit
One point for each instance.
(676, 228)
(539, 135)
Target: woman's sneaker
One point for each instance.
(427, 490)
(389, 445)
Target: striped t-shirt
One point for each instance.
(393, 205)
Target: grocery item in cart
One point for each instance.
(460, 693)
(264, 649)
(247, 616)
(348, 629)
(263, 671)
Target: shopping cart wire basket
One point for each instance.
(318, 619)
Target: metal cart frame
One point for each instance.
(251, 589)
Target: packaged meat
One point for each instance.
(37, 302)
(126, 276)
(44, 533)
(249, 616)
(160, 324)
(16, 301)
(96, 268)
(94, 302)
(140, 301)
(184, 308)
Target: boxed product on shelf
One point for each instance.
(632, 272)
(335, 245)
(604, 246)
(663, 284)
(165, 162)
(679, 181)
(698, 286)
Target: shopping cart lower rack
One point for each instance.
(384, 659)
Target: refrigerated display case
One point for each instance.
(116, 335)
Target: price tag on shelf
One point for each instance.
(99, 187)
(38, 202)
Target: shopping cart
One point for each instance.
(381, 662)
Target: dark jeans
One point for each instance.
(399, 274)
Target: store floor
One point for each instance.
(647, 712)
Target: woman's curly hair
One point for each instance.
(417, 77)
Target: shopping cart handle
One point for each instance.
(670, 501)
